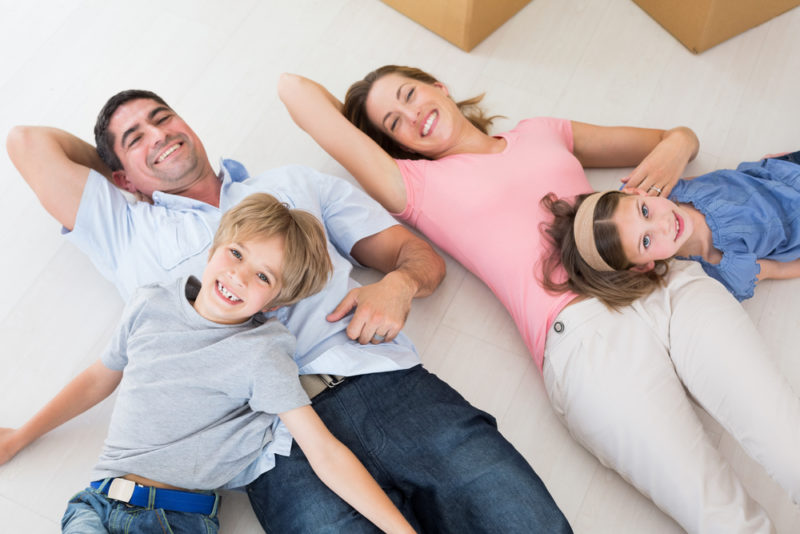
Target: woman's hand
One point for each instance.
(661, 169)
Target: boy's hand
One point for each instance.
(8, 445)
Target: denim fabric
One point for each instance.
(91, 512)
(441, 461)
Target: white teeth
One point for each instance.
(428, 123)
(169, 151)
(228, 294)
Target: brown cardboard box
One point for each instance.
(701, 24)
(465, 23)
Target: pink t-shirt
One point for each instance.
(484, 210)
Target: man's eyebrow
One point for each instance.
(156, 111)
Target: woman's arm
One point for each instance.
(84, 391)
(341, 471)
(319, 113)
(660, 156)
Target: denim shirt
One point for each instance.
(135, 243)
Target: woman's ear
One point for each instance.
(644, 267)
(442, 87)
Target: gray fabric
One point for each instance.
(196, 404)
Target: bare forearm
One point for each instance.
(422, 268)
(305, 98)
(341, 471)
(778, 270)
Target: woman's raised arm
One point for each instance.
(318, 112)
(660, 156)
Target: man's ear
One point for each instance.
(644, 267)
(120, 179)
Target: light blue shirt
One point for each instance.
(135, 243)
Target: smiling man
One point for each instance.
(441, 460)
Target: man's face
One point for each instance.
(157, 149)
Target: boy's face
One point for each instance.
(240, 280)
(651, 228)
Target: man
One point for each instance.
(441, 460)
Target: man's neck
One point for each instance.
(207, 189)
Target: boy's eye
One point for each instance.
(236, 254)
(645, 211)
(646, 241)
(263, 277)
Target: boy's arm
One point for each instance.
(84, 391)
(341, 471)
(56, 165)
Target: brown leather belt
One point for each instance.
(316, 384)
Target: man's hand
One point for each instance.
(381, 309)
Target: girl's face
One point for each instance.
(419, 116)
(651, 228)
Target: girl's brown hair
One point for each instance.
(355, 108)
(614, 288)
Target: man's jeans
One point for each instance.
(91, 512)
(441, 461)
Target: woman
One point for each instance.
(617, 379)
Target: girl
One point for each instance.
(618, 380)
(741, 225)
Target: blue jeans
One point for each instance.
(90, 512)
(441, 461)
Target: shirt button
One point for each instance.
(558, 326)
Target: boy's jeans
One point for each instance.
(92, 512)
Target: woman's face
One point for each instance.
(419, 116)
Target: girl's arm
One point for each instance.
(341, 471)
(84, 391)
(778, 270)
(319, 113)
(660, 156)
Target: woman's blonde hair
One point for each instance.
(616, 288)
(306, 264)
(355, 108)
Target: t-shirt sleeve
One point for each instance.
(115, 356)
(275, 382)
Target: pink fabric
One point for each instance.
(483, 209)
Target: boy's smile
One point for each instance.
(240, 280)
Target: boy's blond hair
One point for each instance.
(306, 264)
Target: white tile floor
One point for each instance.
(602, 61)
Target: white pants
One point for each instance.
(618, 379)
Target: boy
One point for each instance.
(203, 378)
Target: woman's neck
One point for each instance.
(474, 141)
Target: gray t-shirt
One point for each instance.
(197, 402)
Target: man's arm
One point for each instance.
(413, 269)
(56, 166)
(87, 389)
(341, 471)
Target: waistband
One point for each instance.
(128, 491)
(316, 384)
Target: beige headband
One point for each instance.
(583, 228)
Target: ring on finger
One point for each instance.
(658, 189)
(379, 338)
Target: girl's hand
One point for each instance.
(8, 446)
(661, 169)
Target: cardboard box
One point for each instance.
(701, 24)
(465, 23)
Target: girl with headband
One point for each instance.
(742, 226)
(619, 380)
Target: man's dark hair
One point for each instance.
(104, 140)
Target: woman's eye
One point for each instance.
(646, 241)
(408, 96)
(236, 254)
(392, 127)
(645, 211)
(263, 277)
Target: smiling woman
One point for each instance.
(618, 380)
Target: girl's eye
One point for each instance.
(646, 241)
(263, 277)
(645, 211)
(236, 254)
